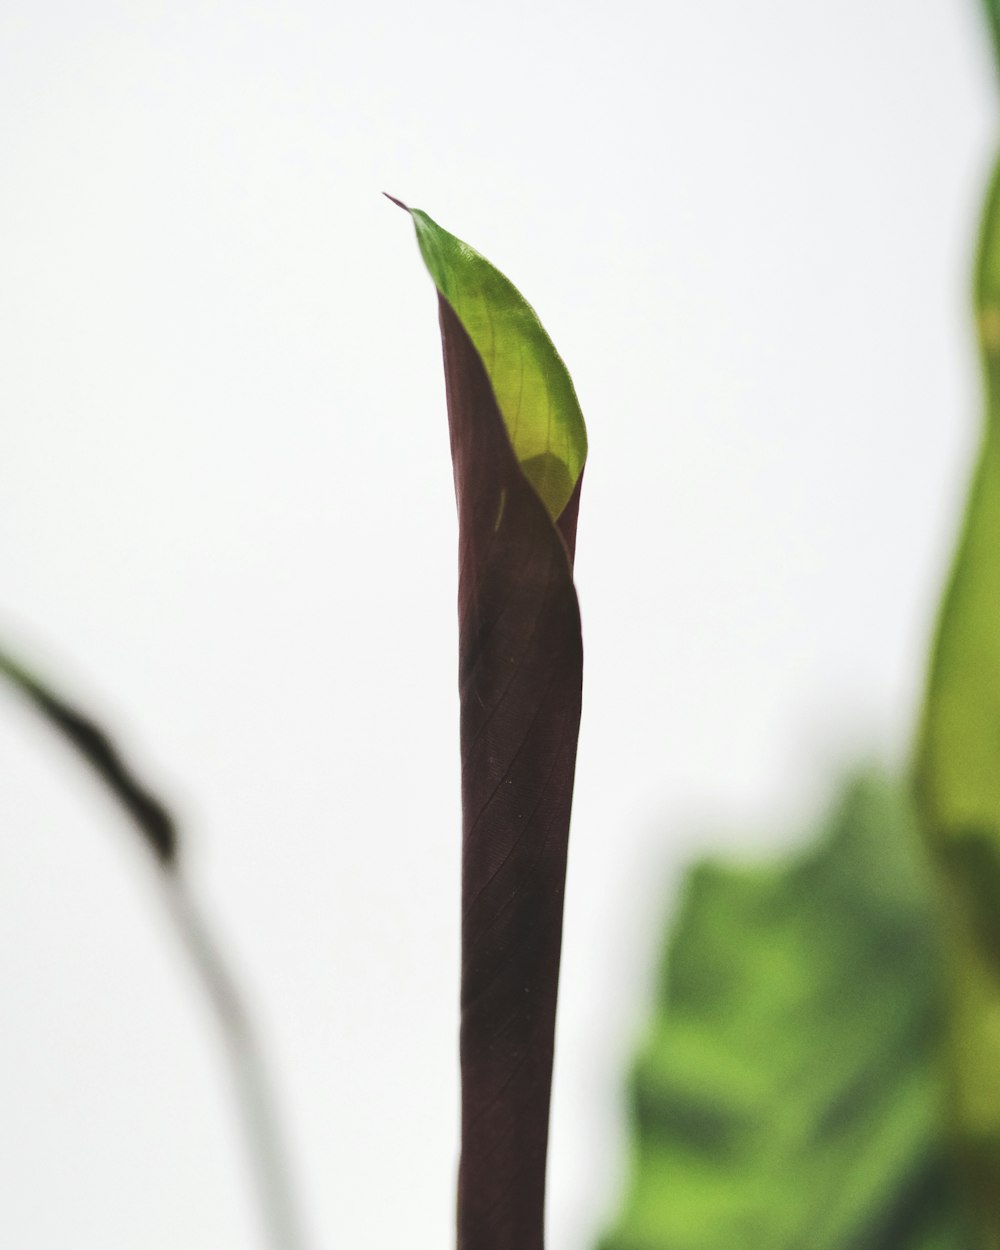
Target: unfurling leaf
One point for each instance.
(518, 447)
(789, 1093)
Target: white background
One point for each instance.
(228, 524)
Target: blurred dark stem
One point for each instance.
(156, 826)
(254, 1096)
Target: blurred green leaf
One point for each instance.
(957, 768)
(992, 8)
(788, 1094)
(959, 750)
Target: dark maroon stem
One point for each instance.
(520, 676)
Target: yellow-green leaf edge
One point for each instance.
(532, 385)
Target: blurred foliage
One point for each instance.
(788, 1094)
(957, 770)
(992, 8)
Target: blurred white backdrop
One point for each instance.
(228, 524)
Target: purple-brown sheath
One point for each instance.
(518, 448)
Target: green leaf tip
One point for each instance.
(533, 389)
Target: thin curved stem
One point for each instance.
(257, 1106)
(256, 1103)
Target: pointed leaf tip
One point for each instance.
(517, 444)
(398, 203)
(530, 381)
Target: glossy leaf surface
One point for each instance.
(520, 675)
(789, 1093)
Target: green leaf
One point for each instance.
(531, 384)
(788, 1096)
(957, 767)
(959, 752)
